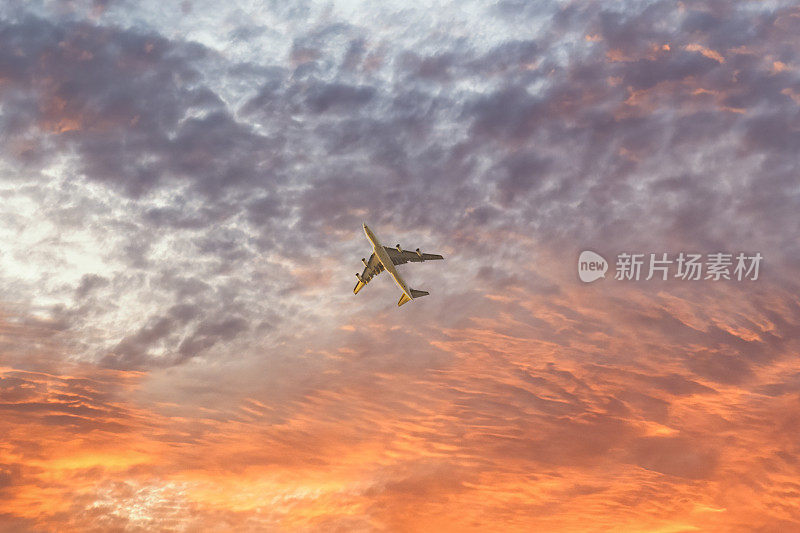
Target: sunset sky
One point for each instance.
(182, 188)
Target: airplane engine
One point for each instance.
(364, 260)
(398, 248)
(419, 253)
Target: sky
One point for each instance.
(182, 188)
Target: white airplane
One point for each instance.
(385, 258)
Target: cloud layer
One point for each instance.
(182, 191)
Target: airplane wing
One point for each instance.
(373, 268)
(400, 257)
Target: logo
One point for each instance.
(591, 266)
(684, 266)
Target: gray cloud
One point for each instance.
(575, 148)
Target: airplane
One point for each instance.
(385, 258)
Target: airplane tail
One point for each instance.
(415, 293)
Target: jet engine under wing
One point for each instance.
(405, 256)
(372, 268)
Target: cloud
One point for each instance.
(182, 192)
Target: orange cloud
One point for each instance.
(707, 52)
(675, 411)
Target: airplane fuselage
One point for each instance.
(386, 261)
